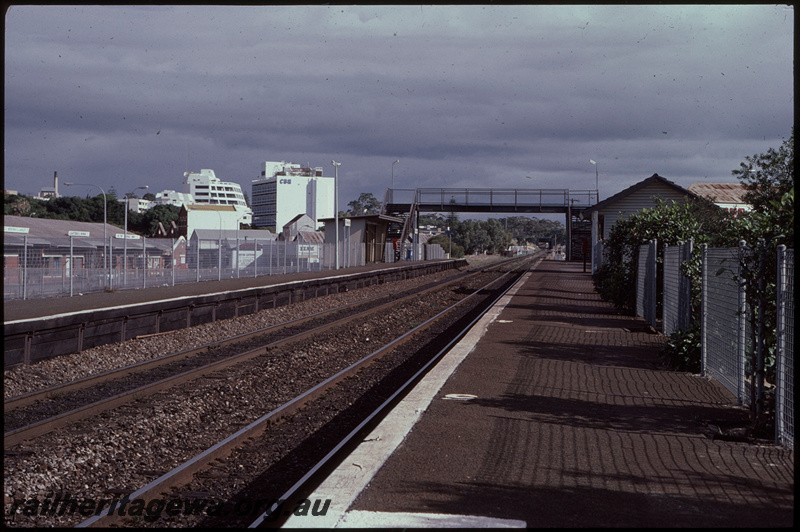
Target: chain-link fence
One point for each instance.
(41, 268)
(725, 327)
(784, 359)
(677, 293)
(646, 284)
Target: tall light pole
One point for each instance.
(336, 205)
(105, 218)
(125, 242)
(394, 163)
(596, 179)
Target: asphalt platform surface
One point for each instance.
(573, 423)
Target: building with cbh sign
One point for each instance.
(286, 190)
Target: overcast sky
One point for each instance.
(463, 96)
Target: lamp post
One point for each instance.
(336, 205)
(394, 163)
(125, 242)
(596, 179)
(105, 218)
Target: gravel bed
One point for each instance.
(25, 379)
(119, 451)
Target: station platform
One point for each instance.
(555, 412)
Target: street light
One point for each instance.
(336, 205)
(125, 242)
(105, 217)
(596, 179)
(394, 163)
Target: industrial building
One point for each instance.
(216, 217)
(285, 190)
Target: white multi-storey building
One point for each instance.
(172, 197)
(137, 204)
(285, 190)
(207, 189)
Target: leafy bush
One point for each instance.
(682, 352)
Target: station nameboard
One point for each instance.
(10, 229)
(77, 233)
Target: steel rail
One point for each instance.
(184, 473)
(19, 401)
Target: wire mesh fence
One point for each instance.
(725, 328)
(784, 359)
(43, 268)
(646, 275)
(677, 292)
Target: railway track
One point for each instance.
(354, 365)
(36, 413)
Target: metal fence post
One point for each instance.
(172, 260)
(25, 267)
(144, 258)
(685, 284)
(110, 260)
(759, 369)
(703, 309)
(652, 287)
(255, 257)
(784, 356)
(198, 259)
(741, 348)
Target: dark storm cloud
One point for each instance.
(464, 95)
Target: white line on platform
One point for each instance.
(363, 519)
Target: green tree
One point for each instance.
(150, 219)
(768, 176)
(365, 204)
(456, 251)
(16, 205)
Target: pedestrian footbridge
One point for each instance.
(408, 203)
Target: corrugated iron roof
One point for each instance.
(720, 192)
(50, 228)
(312, 237)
